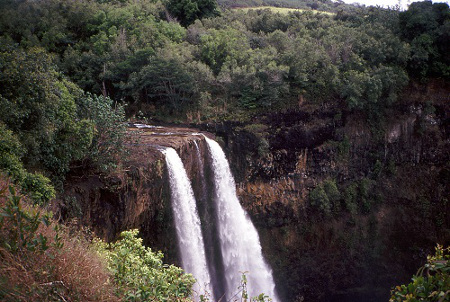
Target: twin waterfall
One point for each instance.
(232, 241)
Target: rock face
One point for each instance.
(140, 196)
(381, 200)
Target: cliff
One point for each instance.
(137, 196)
(345, 208)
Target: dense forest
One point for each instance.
(73, 72)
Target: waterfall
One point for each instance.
(209, 227)
(201, 169)
(187, 222)
(239, 240)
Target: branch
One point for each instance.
(53, 283)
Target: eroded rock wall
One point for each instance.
(392, 204)
(138, 196)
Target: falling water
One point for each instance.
(187, 222)
(239, 240)
(209, 227)
(201, 169)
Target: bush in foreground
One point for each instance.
(140, 273)
(431, 283)
(41, 261)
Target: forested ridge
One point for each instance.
(72, 73)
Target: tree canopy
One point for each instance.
(187, 11)
(206, 66)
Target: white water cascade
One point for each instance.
(239, 240)
(187, 222)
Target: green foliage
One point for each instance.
(107, 129)
(22, 224)
(351, 198)
(359, 196)
(245, 296)
(318, 198)
(166, 82)
(431, 283)
(377, 168)
(326, 197)
(36, 186)
(364, 191)
(11, 152)
(333, 194)
(261, 134)
(218, 47)
(425, 25)
(187, 11)
(311, 71)
(53, 121)
(141, 274)
(39, 106)
(260, 60)
(343, 148)
(372, 90)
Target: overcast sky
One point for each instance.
(386, 3)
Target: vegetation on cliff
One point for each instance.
(43, 261)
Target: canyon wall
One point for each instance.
(138, 196)
(345, 209)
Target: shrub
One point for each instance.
(10, 153)
(318, 198)
(141, 274)
(109, 134)
(20, 224)
(326, 197)
(333, 194)
(431, 283)
(38, 187)
(366, 201)
(41, 261)
(35, 185)
(350, 198)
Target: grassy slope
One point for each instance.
(281, 10)
(68, 269)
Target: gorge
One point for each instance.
(350, 253)
(332, 179)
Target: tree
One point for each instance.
(218, 47)
(35, 185)
(108, 131)
(425, 25)
(318, 199)
(187, 11)
(39, 106)
(165, 82)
